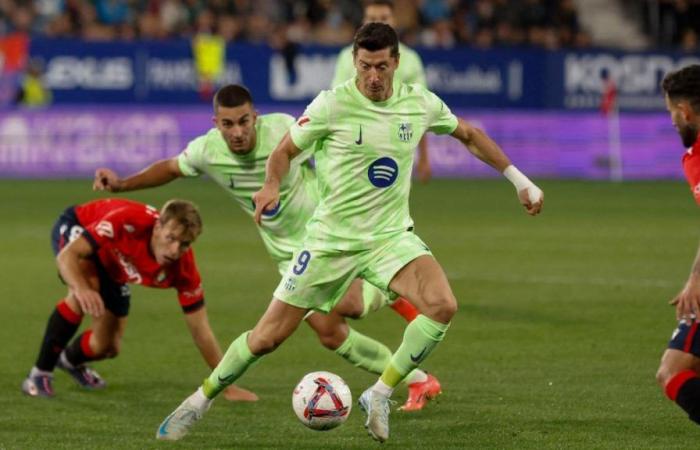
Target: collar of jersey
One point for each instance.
(364, 100)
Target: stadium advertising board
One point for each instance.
(73, 142)
(157, 73)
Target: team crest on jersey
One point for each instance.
(383, 172)
(405, 131)
(290, 284)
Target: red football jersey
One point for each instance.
(120, 232)
(691, 167)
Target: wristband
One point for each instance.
(520, 181)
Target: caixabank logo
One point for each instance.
(383, 172)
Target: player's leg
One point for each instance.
(407, 267)
(103, 338)
(277, 323)
(362, 351)
(62, 325)
(63, 322)
(679, 370)
(307, 284)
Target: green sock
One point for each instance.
(364, 352)
(419, 339)
(373, 298)
(234, 363)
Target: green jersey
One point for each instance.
(241, 176)
(410, 68)
(364, 157)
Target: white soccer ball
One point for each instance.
(322, 400)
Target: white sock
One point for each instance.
(382, 389)
(416, 376)
(200, 400)
(36, 372)
(65, 362)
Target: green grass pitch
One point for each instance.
(561, 324)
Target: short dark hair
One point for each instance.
(376, 36)
(684, 84)
(388, 3)
(232, 95)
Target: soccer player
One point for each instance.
(101, 246)
(233, 154)
(363, 134)
(409, 71)
(679, 370)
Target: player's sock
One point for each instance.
(62, 325)
(419, 339)
(235, 362)
(79, 351)
(684, 389)
(373, 298)
(416, 376)
(405, 309)
(364, 352)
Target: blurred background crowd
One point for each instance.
(550, 24)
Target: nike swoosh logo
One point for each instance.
(225, 380)
(359, 140)
(162, 431)
(415, 359)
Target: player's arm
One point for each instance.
(203, 337)
(157, 174)
(69, 266)
(484, 148)
(276, 168)
(687, 302)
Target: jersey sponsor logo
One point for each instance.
(405, 132)
(269, 212)
(133, 275)
(302, 120)
(105, 229)
(359, 139)
(383, 172)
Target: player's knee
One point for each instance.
(113, 350)
(332, 340)
(261, 344)
(441, 307)
(663, 375)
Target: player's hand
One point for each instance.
(265, 200)
(423, 170)
(90, 302)
(106, 180)
(234, 393)
(687, 302)
(532, 198)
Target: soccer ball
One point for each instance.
(322, 400)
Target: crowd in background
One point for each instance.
(671, 23)
(431, 23)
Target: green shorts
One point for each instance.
(318, 278)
